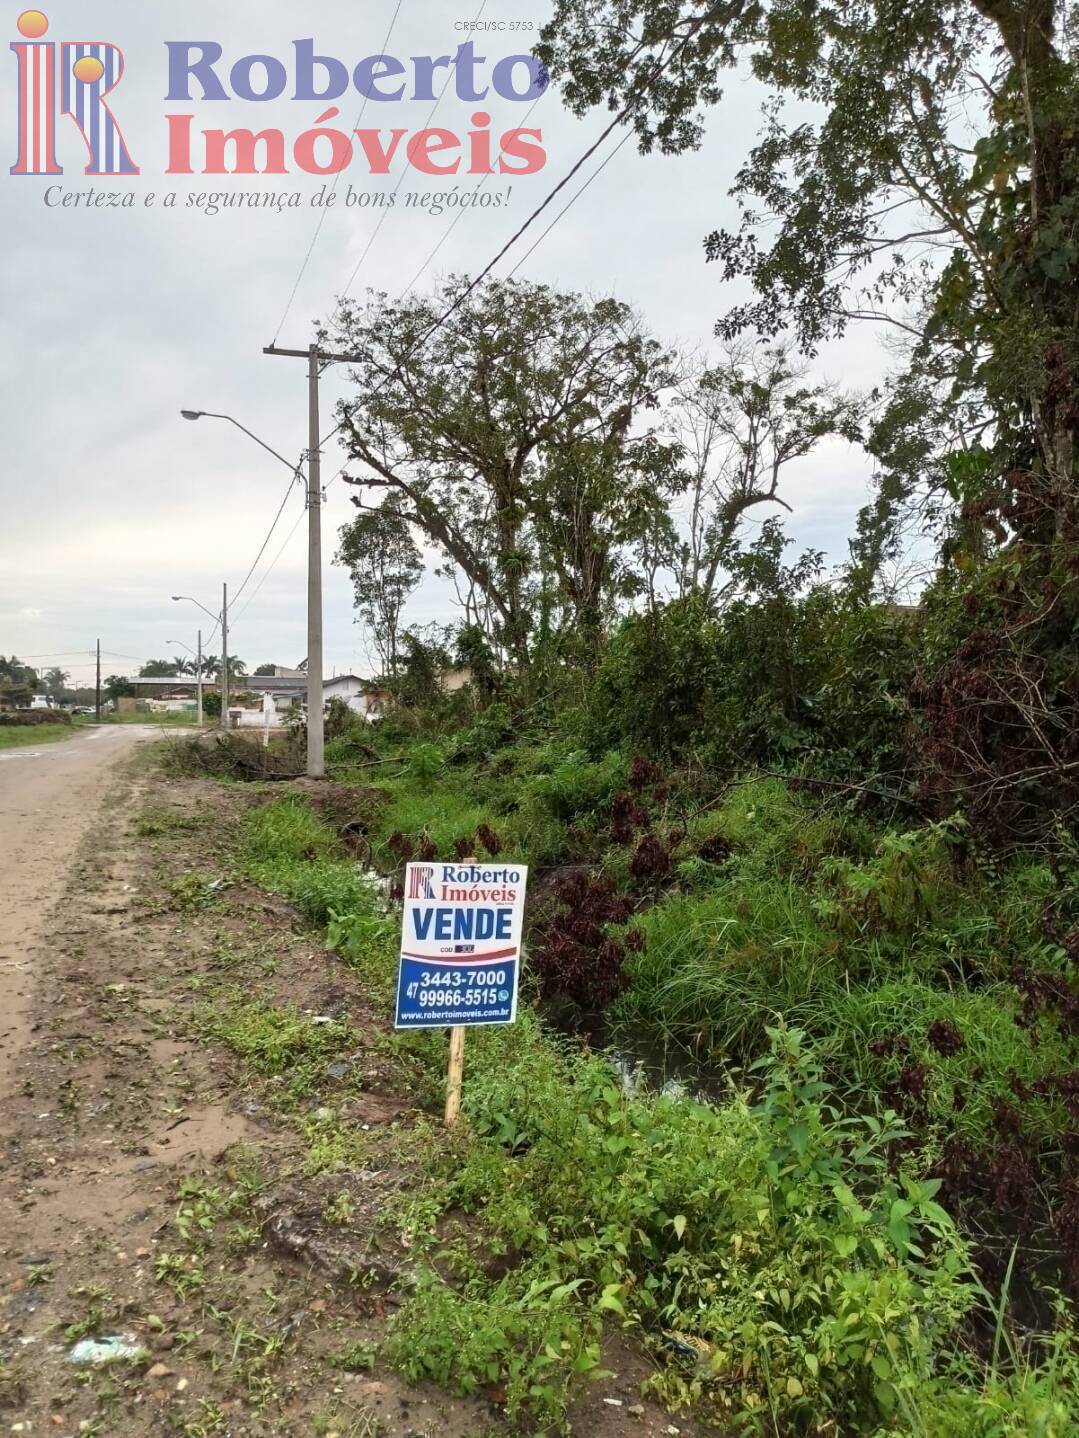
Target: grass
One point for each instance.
(19, 736)
(168, 721)
(287, 849)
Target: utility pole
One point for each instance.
(224, 656)
(97, 691)
(198, 681)
(316, 737)
(316, 751)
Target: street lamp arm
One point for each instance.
(215, 617)
(209, 414)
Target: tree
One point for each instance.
(744, 421)
(918, 192)
(386, 566)
(512, 441)
(14, 673)
(160, 669)
(211, 667)
(916, 167)
(55, 681)
(265, 671)
(118, 686)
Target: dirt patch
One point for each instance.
(49, 799)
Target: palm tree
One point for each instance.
(211, 667)
(55, 680)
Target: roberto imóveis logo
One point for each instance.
(69, 79)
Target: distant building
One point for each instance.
(450, 680)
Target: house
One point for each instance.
(451, 680)
(363, 696)
(287, 687)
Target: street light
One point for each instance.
(316, 764)
(194, 414)
(198, 670)
(223, 620)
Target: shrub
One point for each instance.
(763, 1242)
(29, 718)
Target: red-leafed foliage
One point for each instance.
(573, 955)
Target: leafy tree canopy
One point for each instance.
(516, 441)
(916, 165)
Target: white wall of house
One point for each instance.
(354, 692)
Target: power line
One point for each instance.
(333, 190)
(572, 200)
(638, 94)
(461, 212)
(623, 114)
(404, 172)
(270, 567)
(269, 535)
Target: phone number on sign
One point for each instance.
(456, 978)
(455, 999)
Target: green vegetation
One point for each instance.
(166, 721)
(289, 851)
(19, 737)
(785, 1253)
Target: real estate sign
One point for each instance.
(460, 944)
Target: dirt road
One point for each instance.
(50, 797)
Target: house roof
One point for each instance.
(175, 681)
(285, 683)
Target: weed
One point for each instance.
(770, 1233)
(98, 1301)
(275, 1040)
(190, 892)
(340, 1208)
(209, 1418)
(358, 1357)
(154, 823)
(181, 1271)
(13, 1382)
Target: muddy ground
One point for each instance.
(151, 1190)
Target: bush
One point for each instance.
(817, 683)
(782, 1277)
(28, 718)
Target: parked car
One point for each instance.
(41, 701)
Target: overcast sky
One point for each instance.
(113, 319)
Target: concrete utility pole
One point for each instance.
(198, 671)
(316, 733)
(97, 691)
(224, 656)
(223, 620)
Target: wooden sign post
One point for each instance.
(456, 1075)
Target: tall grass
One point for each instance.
(287, 849)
